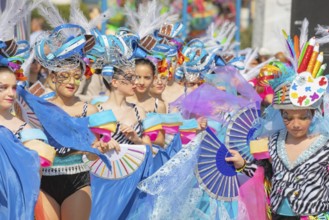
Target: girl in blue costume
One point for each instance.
(19, 166)
(129, 131)
(19, 176)
(65, 186)
(61, 201)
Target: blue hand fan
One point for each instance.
(216, 176)
(241, 129)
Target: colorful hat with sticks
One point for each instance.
(300, 84)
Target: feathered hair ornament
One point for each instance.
(148, 18)
(77, 17)
(96, 56)
(219, 41)
(67, 45)
(12, 52)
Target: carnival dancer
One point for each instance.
(146, 72)
(298, 142)
(20, 166)
(59, 201)
(67, 68)
(295, 152)
(129, 133)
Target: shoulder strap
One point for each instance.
(100, 108)
(21, 127)
(136, 112)
(84, 109)
(156, 105)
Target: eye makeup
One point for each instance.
(308, 116)
(65, 77)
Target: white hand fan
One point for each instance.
(124, 163)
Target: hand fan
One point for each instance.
(124, 163)
(24, 112)
(217, 177)
(240, 131)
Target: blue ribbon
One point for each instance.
(179, 74)
(3, 61)
(107, 73)
(64, 52)
(24, 48)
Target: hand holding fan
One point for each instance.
(240, 131)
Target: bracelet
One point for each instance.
(239, 170)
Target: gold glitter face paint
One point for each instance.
(66, 77)
(77, 82)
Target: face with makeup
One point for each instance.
(297, 122)
(125, 81)
(159, 84)
(7, 89)
(144, 81)
(67, 82)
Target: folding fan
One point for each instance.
(124, 163)
(216, 176)
(240, 131)
(22, 109)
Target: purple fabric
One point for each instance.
(208, 101)
(233, 79)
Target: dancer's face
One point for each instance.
(297, 122)
(158, 85)
(7, 89)
(125, 83)
(67, 82)
(192, 85)
(144, 78)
